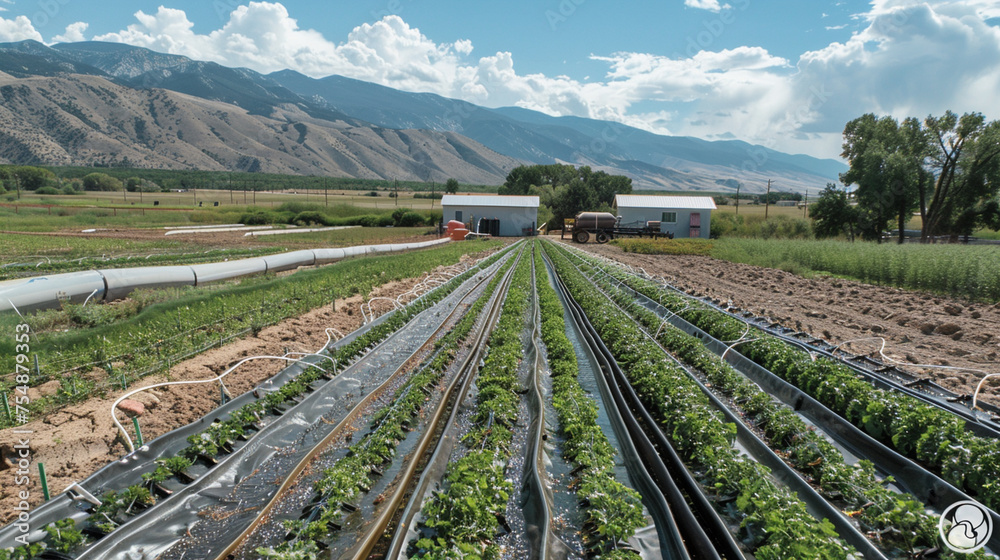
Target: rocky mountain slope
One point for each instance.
(74, 119)
(286, 98)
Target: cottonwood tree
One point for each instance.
(834, 214)
(966, 161)
(886, 161)
(948, 167)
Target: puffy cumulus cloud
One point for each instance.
(982, 9)
(18, 29)
(73, 33)
(710, 5)
(912, 60)
(264, 36)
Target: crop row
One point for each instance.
(899, 520)
(932, 436)
(220, 437)
(165, 333)
(465, 516)
(773, 521)
(343, 483)
(614, 511)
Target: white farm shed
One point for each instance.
(683, 216)
(504, 216)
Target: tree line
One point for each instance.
(946, 169)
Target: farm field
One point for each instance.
(538, 401)
(66, 407)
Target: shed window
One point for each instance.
(669, 218)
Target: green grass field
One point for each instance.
(33, 212)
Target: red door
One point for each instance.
(695, 225)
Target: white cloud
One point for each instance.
(836, 27)
(710, 5)
(73, 33)
(18, 29)
(910, 57)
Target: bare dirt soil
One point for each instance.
(81, 438)
(919, 328)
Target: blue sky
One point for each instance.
(785, 74)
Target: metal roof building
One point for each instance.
(505, 216)
(682, 216)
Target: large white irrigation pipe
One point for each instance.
(114, 407)
(45, 292)
(286, 231)
(216, 230)
(204, 227)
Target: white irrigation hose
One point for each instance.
(882, 353)
(329, 337)
(88, 297)
(331, 358)
(114, 407)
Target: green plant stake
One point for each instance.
(138, 432)
(38, 370)
(6, 409)
(45, 482)
(222, 395)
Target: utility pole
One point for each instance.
(395, 190)
(433, 187)
(767, 199)
(738, 185)
(326, 192)
(805, 206)
(230, 187)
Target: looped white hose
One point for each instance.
(114, 407)
(881, 351)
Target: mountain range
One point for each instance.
(113, 104)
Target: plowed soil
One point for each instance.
(918, 328)
(80, 439)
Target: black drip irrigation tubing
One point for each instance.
(761, 452)
(535, 502)
(671, 541)
(214, 486)
(874, 371)
(436, 465)
(705, 534)
(913, 478)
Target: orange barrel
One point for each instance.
(453, 225)
(458, 234)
